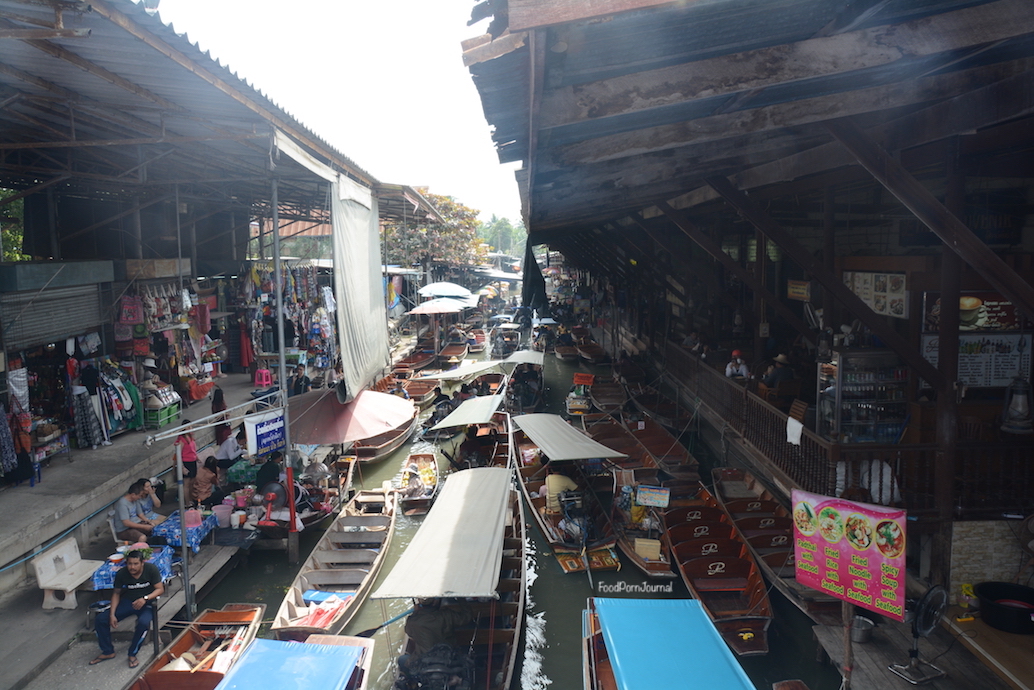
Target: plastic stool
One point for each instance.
(263, 377)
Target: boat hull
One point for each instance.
(378, 447)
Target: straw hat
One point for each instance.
(454, 360)
(782, 359)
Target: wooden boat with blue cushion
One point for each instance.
(204, 651)
(629, 644)
(719, 570)
(339, 572)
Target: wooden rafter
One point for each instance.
(528, 14)
(124, 142)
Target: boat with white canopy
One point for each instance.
(468, 556)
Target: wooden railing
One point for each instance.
(990, 478)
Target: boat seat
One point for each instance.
(718, 574)
(753, 603)
(750, 527)
(351, 538)
(693, 514)
(749, 507)
(330, 558)
(509, 584)
(771, 542)
(697, 530)
(718, 548)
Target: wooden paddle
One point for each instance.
(371, 631)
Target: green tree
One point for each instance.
(454, 242)
(12, 227)
(504, 236)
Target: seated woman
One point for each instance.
(205, 490)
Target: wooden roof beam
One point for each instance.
(123, 142)
(815, 57)
(757, 217)
(918, 199)
(533, 14)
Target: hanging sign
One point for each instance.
(583, 379)
(884, 293)
(979, 310)
(853, 551)
(986, 360)
(266, 432)
(799, 290)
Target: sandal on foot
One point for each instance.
(102, 657)
(133, 662)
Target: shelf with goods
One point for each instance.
(49, 446)
(862, 397)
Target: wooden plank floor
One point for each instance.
(205, 566)
(891, 643)
(1009, 655)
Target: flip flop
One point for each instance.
(102, 657)
(133, 662)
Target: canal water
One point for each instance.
(550, 655)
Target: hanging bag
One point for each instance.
(132, 310)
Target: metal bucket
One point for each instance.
(861, 629)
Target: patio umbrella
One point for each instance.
(318, 417)
(440, 305)
(443, 290)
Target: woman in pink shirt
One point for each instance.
(188, 456)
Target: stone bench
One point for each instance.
(61, 569)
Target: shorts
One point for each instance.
(190, 470)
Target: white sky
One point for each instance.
(382, 81)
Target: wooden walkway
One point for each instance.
(891, 643)
(1010, 656)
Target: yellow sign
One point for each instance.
(799, 290)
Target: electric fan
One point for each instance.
(927, 615)
(275, 497)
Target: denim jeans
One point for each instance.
(125, 609)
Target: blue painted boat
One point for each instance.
(644, 644)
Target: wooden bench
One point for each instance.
(702, 548)
(699, 530)
(61, 569)
(718, 574)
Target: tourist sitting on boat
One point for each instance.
(470, 449)
(439, 397)
(737, 368)
(466, 392)
(270, 470)
(555, 485)
(456, 400)
(429, 626)
(565, 338)
(399, 390)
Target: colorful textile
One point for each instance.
(170, 529)
(104, 576)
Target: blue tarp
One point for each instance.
(292, 666)
(666, 643)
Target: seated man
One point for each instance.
(439, 397)
(399, 390)
(136, 526)
(230, 452)
(737, 368)
(270, 471)
(779, 371)
(555, 485)
(136, 586)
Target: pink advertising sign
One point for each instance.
(853, 551)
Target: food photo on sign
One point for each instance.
(852, 551)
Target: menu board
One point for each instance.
(979, 310)
(852, 551)
(986, 359)
(884, 293)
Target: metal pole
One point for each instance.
(188, 593)
(179, 241)
(278, 285)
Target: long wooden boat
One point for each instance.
(478, 340)
(418, 483)
(421, 391)
(659, 407)
(201, 655)
(524, 389)
(628, 372)
(322, 661)
(608, 396)
(592, 352)
(640, 529)
(339, 572)
(718, 569)
(669, 453)
(767, 527)
(505, 338)
(452, 351)
(380, 446)
(476, 534)
(613, 434)
(655, 643)
(567, 353)
(414, 362)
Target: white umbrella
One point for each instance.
(440, 305)
(444, 290)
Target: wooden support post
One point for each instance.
(847, 614)
(829, 233)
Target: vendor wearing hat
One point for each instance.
(779, 371)
(454, 362)
(737, 368)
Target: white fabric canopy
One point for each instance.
(464, 370)
(473, 411)
(561, 441)
(458, 550)
(439, 305)
(526, 357)
(443, 290)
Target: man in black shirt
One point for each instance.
(270, 471)
(299, 383)
(136, 586)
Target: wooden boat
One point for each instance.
(718, 569)
(586, 537)
(453, 353)
(524, 390)
(414, 362)
(640, 529)
(669, 453)
(493, 380)
(591, 352)
(476, 532)
(322, 661)
(421, 391)
(215, 640)
(343, 564)
(655, 643)
(418, 483)
(608, 396)
(478, 340)
(505, 339)
(441, 411)
(578, 401)
(611, 433)
(567, 353)
(380, 446)
(628, 372)
(767, 527)
(659, 407)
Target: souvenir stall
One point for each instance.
(309, 318)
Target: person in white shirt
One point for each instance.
(737, 368)
(230, 452)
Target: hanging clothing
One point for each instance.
(87, 426)
(8, 458)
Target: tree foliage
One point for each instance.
(453, 243)
(504, 236)
(11, 222)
